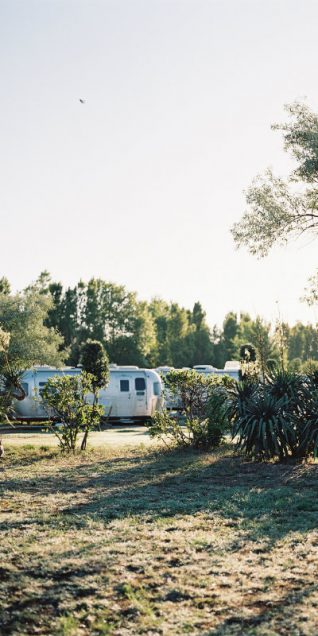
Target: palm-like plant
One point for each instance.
(262, 429)
(239, 395)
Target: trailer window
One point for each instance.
(124, 385)
(140, 384)
(156, 388)
(25, 388)
(41, 387)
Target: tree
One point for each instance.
(4, 286)
(68, 399)
(95, 362)
(311, 292)
(31, 342)
(24, 342)
(197, 316)
(276, 211)
(5, 385)
(230, 333)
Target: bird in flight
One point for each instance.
(82, 100)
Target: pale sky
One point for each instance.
(141, 184)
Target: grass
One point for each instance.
(144, 541)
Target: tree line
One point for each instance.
(49, 324)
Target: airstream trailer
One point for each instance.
(231, 368)
(132, 394)
(171, 401)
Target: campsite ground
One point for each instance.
(137, 540)
(113, 437)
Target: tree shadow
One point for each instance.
(277, 616)
(267, 500)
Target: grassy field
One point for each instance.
(113, 437)
(140, 541)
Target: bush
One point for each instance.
(277, 418)
(203, 420)
(262, 428)
(68, 400)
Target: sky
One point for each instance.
(141, 184)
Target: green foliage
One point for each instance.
(262, 430)
(271, 365)
(5, 287)
(5, 384)
(275, 210)
(288, 385)
(310, 366)
(230, 332)
(278, 418)
(204, 419)
(24, 342)
(95, 361)
(136, 332)
(311, 292)
(217, 410)
(247, 352)
(71, 400)
(31, 342)
(240, 394)
(306, 421)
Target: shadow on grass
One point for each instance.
(267, 501)
(275, 616)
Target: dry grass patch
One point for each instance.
(141, 541)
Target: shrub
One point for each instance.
(306, 417)
(204, 417)
(288, 385)
(239, 394)
(68, 399)
(247, 353)
(262, 429)
(310, 366)
(277, 418)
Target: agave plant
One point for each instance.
(262, 428)
(240, 395)
(306, 422)
(309, 441)
(287, 385)
(313, 379)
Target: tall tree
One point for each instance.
(22, 316)
(95, 363)
(275, 211)
(230, 332)
(197, 316)
(5, 287)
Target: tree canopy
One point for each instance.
(279, 209)
(31, 341)
(51, 324)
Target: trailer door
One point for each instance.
(124, 397)
(140, 391)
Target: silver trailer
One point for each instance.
(132, 394)
(171, 400)
(231, 368)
